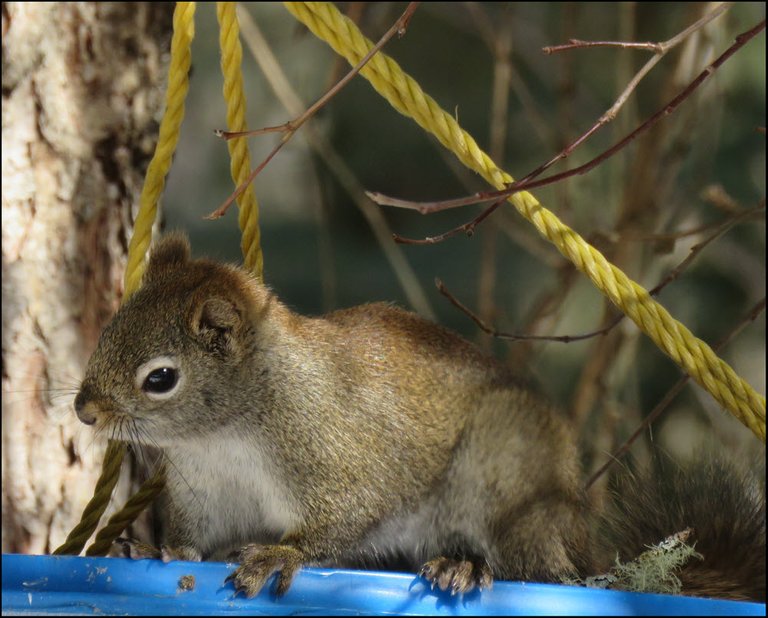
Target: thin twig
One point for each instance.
(758, 308)
(513, 337)
(661, 50)
(336, 165)
(756, 212)
(699, 247)
(289, 128)
(579, 44)
(515, 187)
(721, 229)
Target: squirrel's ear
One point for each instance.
(215, 321)
(171, 252)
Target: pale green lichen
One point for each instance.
(652, 571)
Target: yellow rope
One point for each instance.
(231, 60)
(110, 472)
(178, 84)
(126, 515)
(405, 95)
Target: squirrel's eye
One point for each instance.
(160, 380)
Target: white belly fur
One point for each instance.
(233, 493)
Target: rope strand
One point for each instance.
(231, 61)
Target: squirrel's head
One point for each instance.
(166, 367)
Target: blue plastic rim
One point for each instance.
(56, 585)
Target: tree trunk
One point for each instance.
(82, 93)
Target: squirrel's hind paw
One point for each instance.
(460, 576)
(258, 562)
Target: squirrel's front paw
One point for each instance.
(258, 562)
(461, 576)
(131, 548)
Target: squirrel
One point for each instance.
(366, 435)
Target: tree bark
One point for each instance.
(82, 92)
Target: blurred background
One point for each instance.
(691, 177)
(83, 93)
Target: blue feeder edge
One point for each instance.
(56, 585)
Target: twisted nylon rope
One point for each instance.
(176, 94)
(128, 514)
(406, 96)
(110, 472)
(178, 84)
(231, 60)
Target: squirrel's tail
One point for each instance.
(709, 505)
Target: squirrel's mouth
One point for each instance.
(111, 421)
(123, 428)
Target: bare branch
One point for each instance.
(336, 165)
(660, 50)
(720, 229)
(290, 127)
(754, 213)
(699, 247)
(512, 337)
(529, 183)
(579, 44)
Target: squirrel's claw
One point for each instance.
(458, 576)
(123, 547)
(259, 562)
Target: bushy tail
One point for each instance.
(723, 507)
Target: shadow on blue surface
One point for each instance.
(71, 585)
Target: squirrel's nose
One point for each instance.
(84, 411)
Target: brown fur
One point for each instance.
(366, 436)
